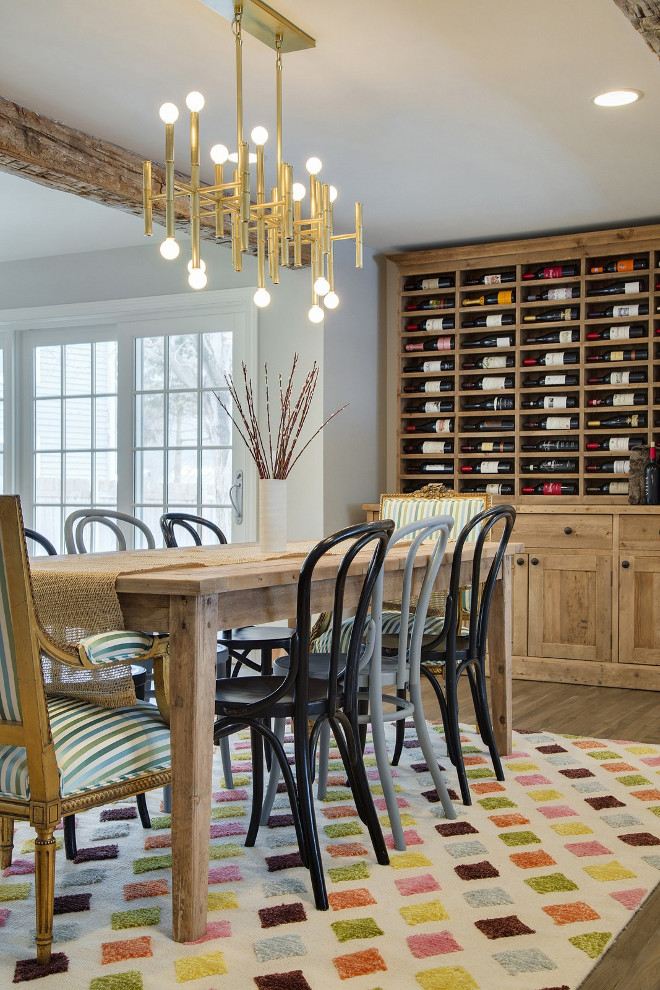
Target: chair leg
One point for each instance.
(44, 868)
(432, 679)
(167, 799)
(143, 811)
(306, 805)
(323, 751)
(454, 734)
(427, 749)
(480, 698)
(6, 840)
(225, 755)
(70, 846)
(352, 756)
(279, 727)
(257, 747)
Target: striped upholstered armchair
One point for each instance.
(59, 755)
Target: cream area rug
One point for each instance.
(524, 891)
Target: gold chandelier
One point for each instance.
(282, 234)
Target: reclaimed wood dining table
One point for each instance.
(192, 603)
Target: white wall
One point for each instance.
(343, 466)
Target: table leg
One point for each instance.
(193, 624)
(500, 664)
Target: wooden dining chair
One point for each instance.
(61, 755)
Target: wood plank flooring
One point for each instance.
(633, 962)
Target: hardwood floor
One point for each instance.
(633, 962)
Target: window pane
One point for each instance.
(150, 363)
(47, 522)
(221, 517)
(105, 422)
(216, 424)
(78, 478)
(47, 478)
(216, 359)
(105, 478)
(183, 358)
(149, 420)
(149, 475)
(216, 476)
(150, 516)
(182, 477)
(78, 369)
(78, 424)
(47, 370)
(105, 372)
(182, 419)
(47, 424)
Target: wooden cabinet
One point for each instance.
(639, 597)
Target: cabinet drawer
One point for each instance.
(640, 532)
(564, 531)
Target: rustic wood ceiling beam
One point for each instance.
(644, 15)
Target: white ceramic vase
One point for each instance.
(272, 515)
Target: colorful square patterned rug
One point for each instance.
(524, 891)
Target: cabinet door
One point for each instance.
(570, 606)
(639, 606)
(519, 582)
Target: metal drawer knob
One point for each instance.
(625, 563)
(568, 530)
(534, 561)
(520, 560)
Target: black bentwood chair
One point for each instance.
(254, 701)
(455, 653)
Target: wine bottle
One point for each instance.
(628, 354)
(552, 444)
(493, 320)
(489, 383)
(622, 265)
(439, 385)
(623, 332)
(553, 315)
(491, 489)
(609, 488)
(553, 358)
(636, 420)
(609, 467)
(491, 361)
(488, 342)
(652, 479)
(433, 406)
(432, 323)
(491, 279)
(629, 309)
(501, 425)
(555, 465)
(436, 302)
(439, 467)
(495, 403)
(543, 381)
(429, 447)
(617, 288)
(436, 344)
(431, 426)
(555, 337)
(615, 444)
(489, 447)
(619, 399)
(430, 282)
(551, 488)
(447, 364)
(553, 271)
(488, 467)
(550, 402)
(552, 423)
(561, 292)
(505, 297)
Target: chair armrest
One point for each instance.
(119, 646)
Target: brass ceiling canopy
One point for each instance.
(264, 23)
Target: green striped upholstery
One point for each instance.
(391, 627)
(10, 702)
(119, 644)
(407, 510)
(94, 747)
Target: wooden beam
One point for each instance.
(644, 15)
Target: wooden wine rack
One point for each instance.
(584, 251)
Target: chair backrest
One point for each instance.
(432, 501)
(476, 531)
(194, 526)
(41, 541)
(119, 523)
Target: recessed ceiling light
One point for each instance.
(617, 98)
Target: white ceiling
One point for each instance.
(452, 120)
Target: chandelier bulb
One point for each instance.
(331, 300)
(197, 278)
(261, 297)
(168, 113)
(333, 194)
(194, 101)
(233, 157)
(298, 192)
(169, 249)
(202, 265)
(313, 165)
(259, 134)
(321, 285)
(219, 154)
(316, 314)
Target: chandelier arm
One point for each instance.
(278, 90)
(169, 180)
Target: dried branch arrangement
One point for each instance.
(274, 459)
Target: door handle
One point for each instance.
(236, 496)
